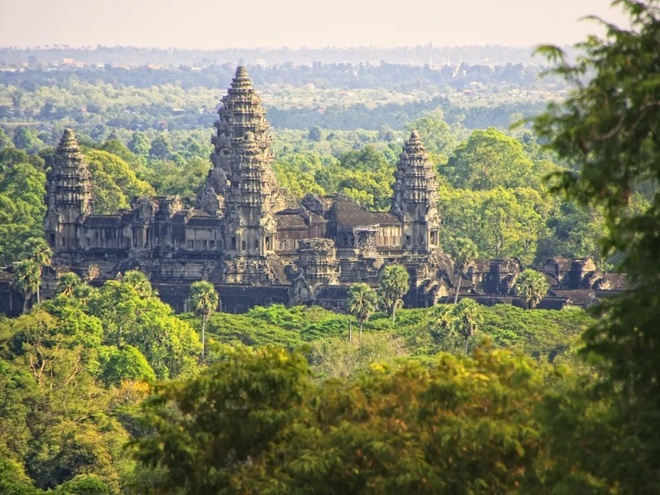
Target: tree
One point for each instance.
(315, 134)
(139, 282)
(258, 423)
(204, 301)
(114, 183)
(139, 144)
(67, 283)
(464, 252)
(531, 286)
(161, 147)
(26, 139)
(394, 283)
(437, 136)
(27, 277)
(361, 303)
(467, 317)
(41, 254)
(609, 126)
(206, 431)
(503, 223)
(487, 160)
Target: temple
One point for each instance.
(243, 237)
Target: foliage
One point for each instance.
(22, 209)
(609, 126)
(361, 303)
(204, 301)
(489, 159)
(134, 316)
(501, 223)
(27, 279)
(394, 284)
(257, 423)
(114, 184)
(532, 286)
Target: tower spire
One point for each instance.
(415, 196)
(242, 179)
(68, 194)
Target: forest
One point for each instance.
(104, 390)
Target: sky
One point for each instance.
(216, 24)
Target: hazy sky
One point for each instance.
(297, 23)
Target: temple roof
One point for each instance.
(350, 214)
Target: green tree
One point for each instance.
(467, 318)
(503, 223)
(487, 160)
(204, 301)
(22, 209)
(257, 423)
(127, 363)
(532, 286)
(26, 139)
(134, 317)
(361, 303)
(609, 126)
(208, 430)
(465, 253)
(161, 147)
(394, 284)
(67, 284)
(114, 184)
(138, 281)
(139, 144)
(27, 278)
(437, 136)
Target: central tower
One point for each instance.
(241, 183)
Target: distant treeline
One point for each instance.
(419, 55)
(322, 75)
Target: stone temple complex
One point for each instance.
(244, 238)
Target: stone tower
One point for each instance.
(416, 197)
(241, 187)
(68, 195)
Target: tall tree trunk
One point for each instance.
(458, 287)
(394, 313)
(361, 323)
(203, 338)
(466, 345)
(350, 329)
(26, 298)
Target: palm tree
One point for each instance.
(204, 300)
(464, 252)
(67, 284)
(41, 254)
(467, 319)
(393, 285)
(532, 287)
(361, 303)
(27, 278)
(139, 282)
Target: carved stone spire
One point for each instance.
(68, 194)
(242, 177)
(416, 197)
